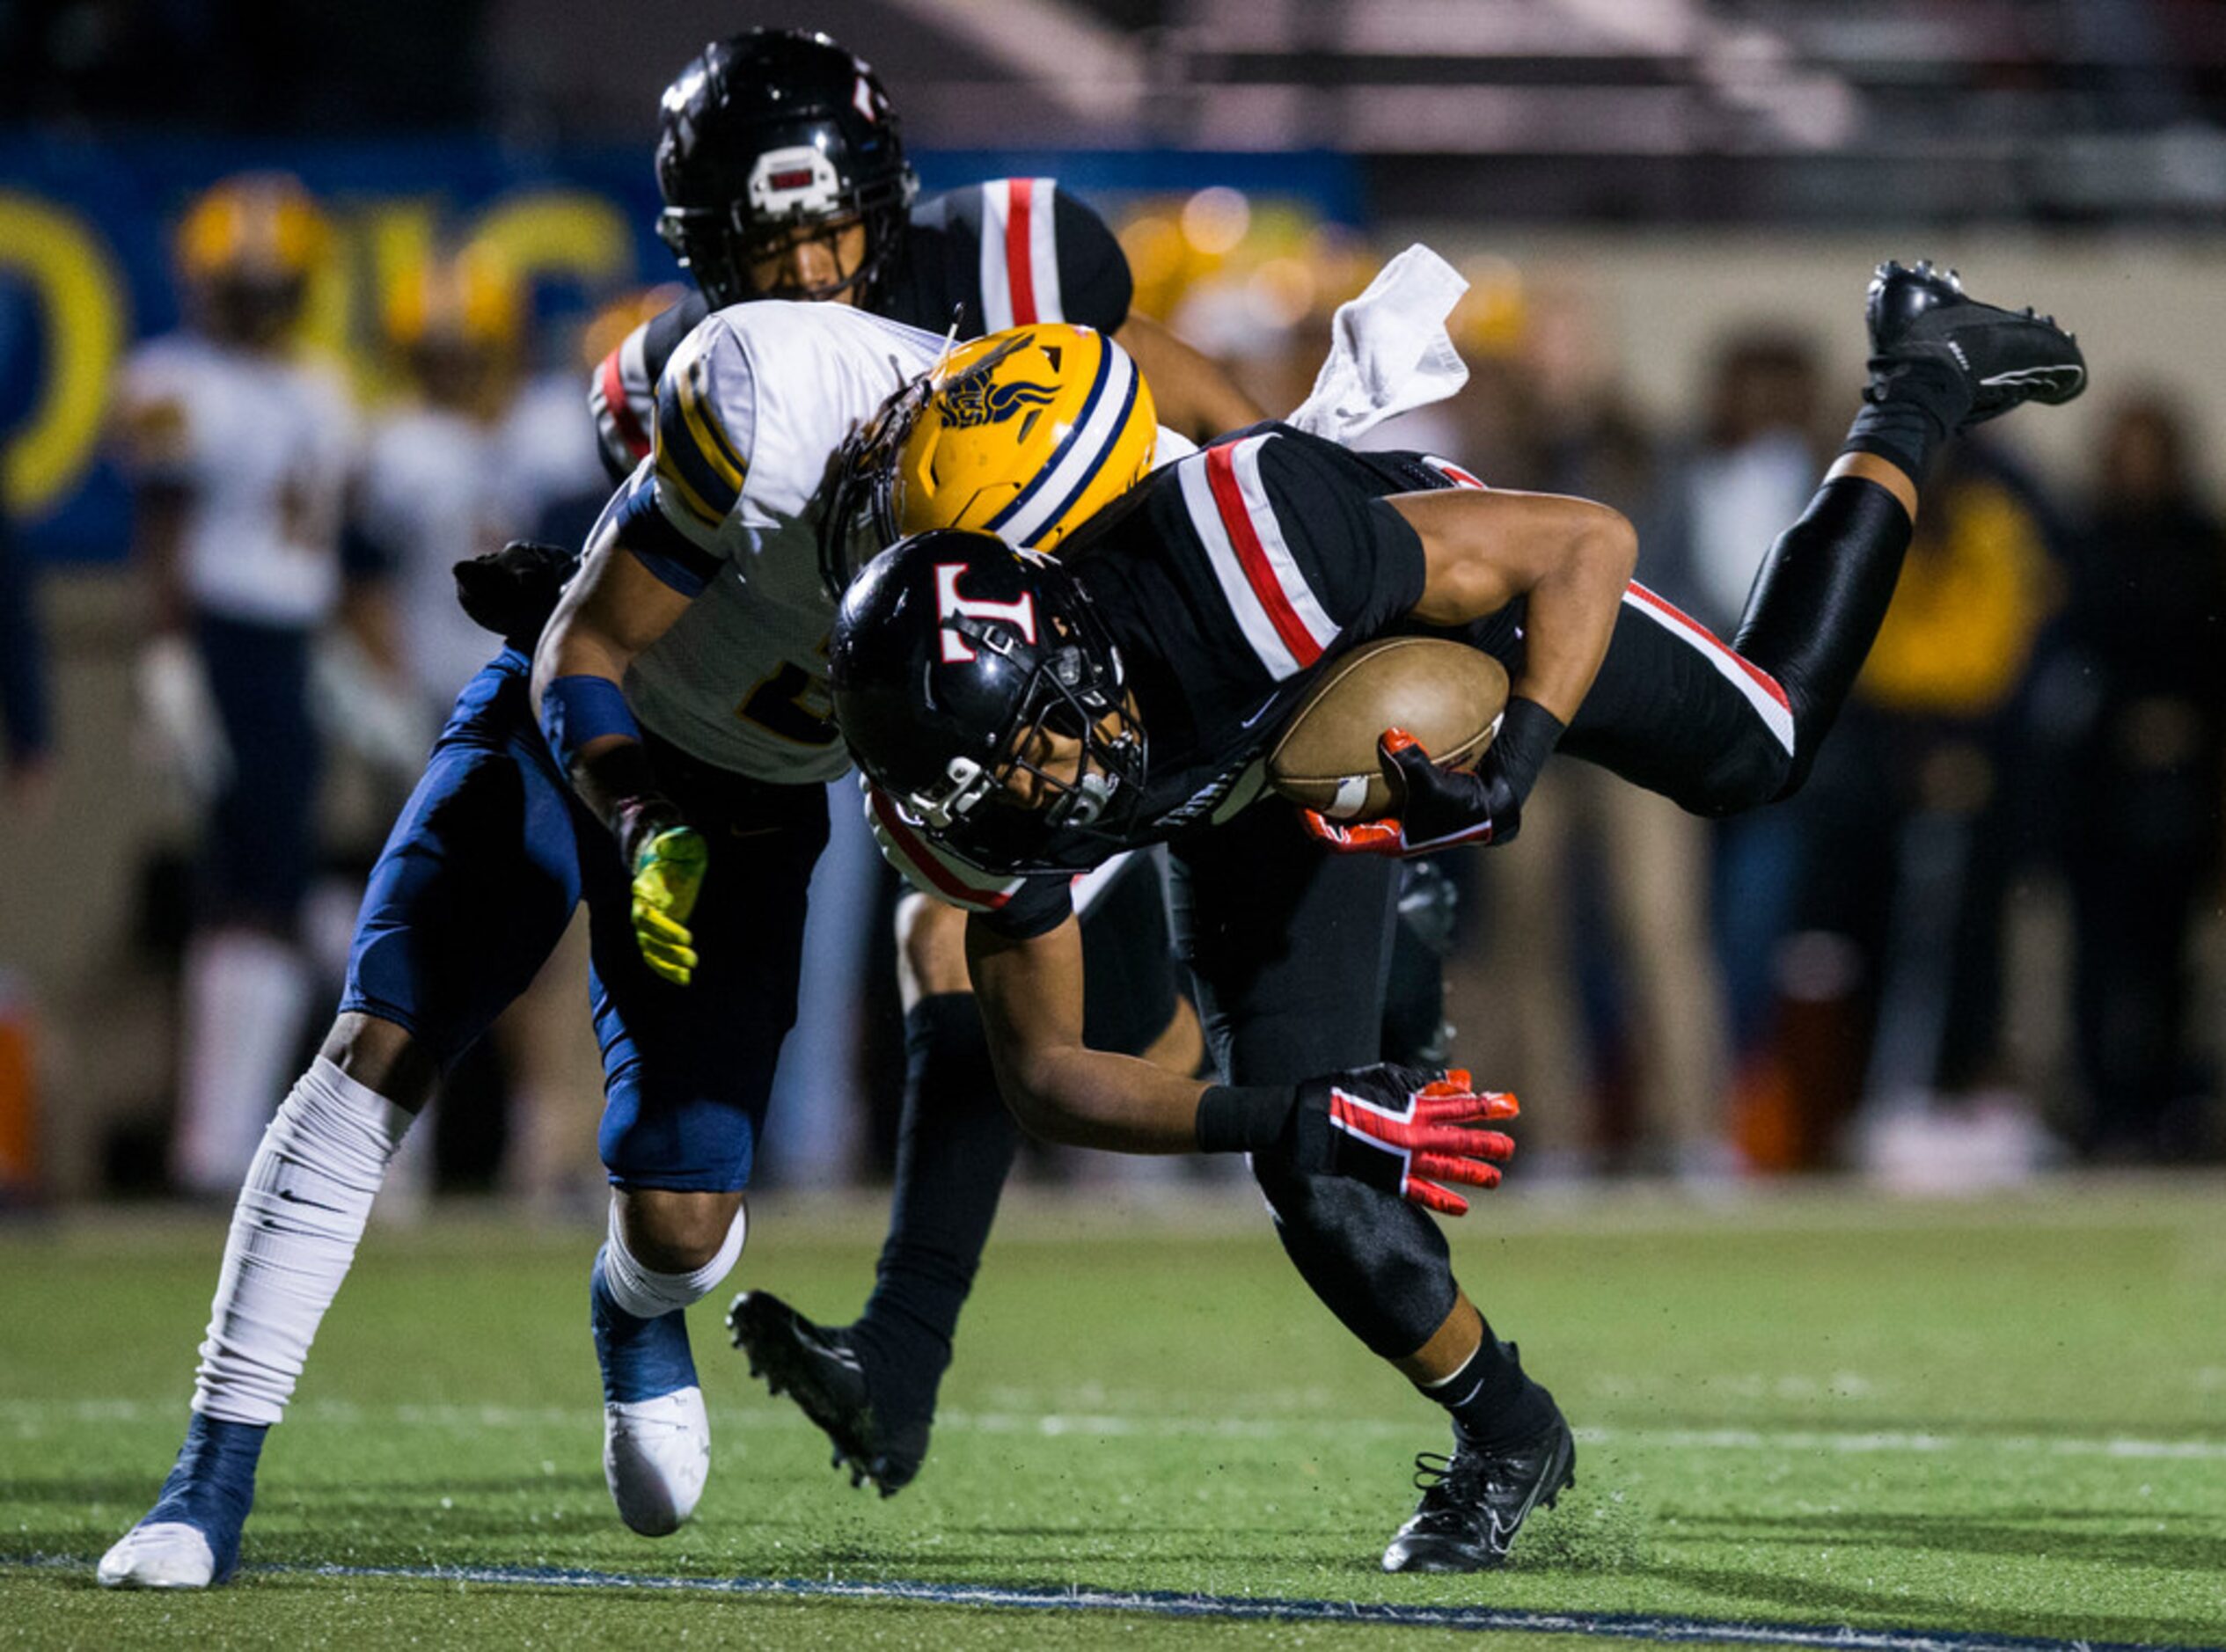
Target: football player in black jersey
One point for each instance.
(1022, 719)
(782, 167)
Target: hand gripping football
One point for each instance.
(1445, 694)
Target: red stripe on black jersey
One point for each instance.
(612, 378)
(1453, 473)
(1236, 516)
(1754, 673)
(1019, 272)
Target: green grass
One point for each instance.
(1819, 1408)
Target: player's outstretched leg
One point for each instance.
(294, 1229)
(656, 1435)
(1940, 362)
(872, 1386)
(823, 1370)
(1725, 730)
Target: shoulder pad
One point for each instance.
(706, 414)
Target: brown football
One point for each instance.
(1447, 695)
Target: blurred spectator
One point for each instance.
(1596, 848)
(1926, 825)
(2145, 631)
(475, 458)
(567, 517)
(26, 734)
(240, 456)
(1751, 471)
(480, 454)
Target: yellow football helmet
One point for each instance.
(1023, 434)
(247, 249)
(471, 298)
(258, 226)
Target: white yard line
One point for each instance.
(30, 1417)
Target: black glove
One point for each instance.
(1432, 809)
(513, 591)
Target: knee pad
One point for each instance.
(1376, 1261)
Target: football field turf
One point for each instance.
(1809, 1408)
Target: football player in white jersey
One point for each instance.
(682, 688)
(782, 169)
(478, 452)
(477, 883)
(239, 454)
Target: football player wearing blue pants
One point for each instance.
(491, 853)
(990, 255)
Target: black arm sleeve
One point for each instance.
(1039, 906)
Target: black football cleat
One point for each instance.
(816, 1367)
(2005, 356)
(1474, 1503)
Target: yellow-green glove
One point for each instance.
(668, 875)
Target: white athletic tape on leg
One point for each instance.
(294, 1233)
(648, 1295)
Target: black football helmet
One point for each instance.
(951, 651)
(764, 132)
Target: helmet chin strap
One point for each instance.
(1083, 801)
(969, 784)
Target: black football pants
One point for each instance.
(1289, 948)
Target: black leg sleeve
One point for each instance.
(1818, 602)
(1719, 729)
(954, 1148)
(1289, 947)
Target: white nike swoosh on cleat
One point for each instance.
(2048, 378)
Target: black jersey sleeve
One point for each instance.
(1303, 542)
(1008, 252)
(623, 393)
(1037, 907)
(1095, 287)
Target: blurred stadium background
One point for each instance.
(1990, 932)
(1985, 948)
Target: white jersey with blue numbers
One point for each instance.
(264, 448)
(750, 410)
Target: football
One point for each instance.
(1445, 694)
